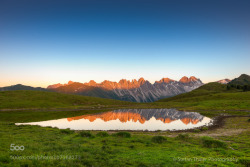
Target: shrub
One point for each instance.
(106, 148)
(141, 164)
(123, 134)
(245, 161)
(147, 144)
(212, 143)
(158, 139)
(248, 120)
(102, 134)
(86, 134)
(131, 146)
(184, 136)
(4, 159)
(66, 131)
(24, 165)
(197, 130)
(205, 128)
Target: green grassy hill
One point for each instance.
(244, 79)
(41, 99)
(211, 96)
(207, 89)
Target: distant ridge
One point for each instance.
(21, 87)
(224, 81)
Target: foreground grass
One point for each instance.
(226, 146)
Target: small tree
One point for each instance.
(246, 88)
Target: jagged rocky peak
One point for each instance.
(107, 84)
(123, 81)
(187, 80)
(122, 84)
(91, 83)
(192, 78)
(134, 81)
(54, 86)
(127, 84)
(70, 82)
(184, 79)
(165, 80)
(59, 85)
(141, 81)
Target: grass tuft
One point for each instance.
(184, 136)
(197, 130)
(158, 139)
(86, 134)
(212, 143)
(102, 134)
(66, 131)
(122, 134)
(204, 128)
(245, 161)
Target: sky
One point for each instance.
(44, 42)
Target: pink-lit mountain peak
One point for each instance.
(166, 80)
(59, 85)
(134, 90)
(124, 83)
(187, 80)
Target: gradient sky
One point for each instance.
(45, 42)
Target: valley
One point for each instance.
(224, 143)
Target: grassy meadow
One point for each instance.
(72, 148)
(29, 99)
(226, 145)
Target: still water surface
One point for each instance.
(131, 119)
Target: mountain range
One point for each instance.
(139, 90)
(21, 87)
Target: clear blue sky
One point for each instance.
(44, 42)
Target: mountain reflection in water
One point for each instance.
(131, 119)
(143, 115)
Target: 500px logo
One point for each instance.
(14, 147)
